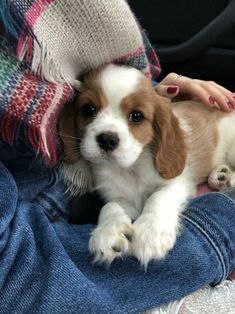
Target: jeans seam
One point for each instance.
(51, 210)
(226, 196)
(215, 247)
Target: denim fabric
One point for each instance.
(35, 182)
(46, 267)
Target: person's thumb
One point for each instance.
(167, 90)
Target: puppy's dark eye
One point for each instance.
(136, 117)
(89, 111)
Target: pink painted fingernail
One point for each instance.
(211, 100)
(231, 106)
(233, 95)
(172, 89)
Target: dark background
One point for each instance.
(172, 23)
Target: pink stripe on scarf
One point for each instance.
(31, 17)
(19, 102)
(22, 96)
(152, 57)
(42, 134)
(36, 10)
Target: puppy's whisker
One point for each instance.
(72, 142)
(69, 136)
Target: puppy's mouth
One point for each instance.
(99, 155)
(109, 156)
(108, 147)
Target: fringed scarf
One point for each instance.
(44, 47)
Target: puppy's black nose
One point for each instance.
(107, 141)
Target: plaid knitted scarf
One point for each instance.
(54, 42)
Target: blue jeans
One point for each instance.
(45, 266)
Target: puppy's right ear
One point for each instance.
(67, 133)
(74, 169)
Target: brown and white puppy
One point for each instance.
(146, 158)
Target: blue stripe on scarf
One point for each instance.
(41, 88)
(12, 82)
(11, 72)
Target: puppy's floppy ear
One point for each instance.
(67, 133)
(74, 169)
(169, 144)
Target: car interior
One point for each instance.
(192, 38)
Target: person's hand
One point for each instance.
(208, 92)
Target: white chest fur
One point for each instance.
(134, 185)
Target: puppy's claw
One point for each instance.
(128, 235)
(116, 249)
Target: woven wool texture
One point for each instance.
(59, 40)
(76, 36)
(73, 36)
(29, 106)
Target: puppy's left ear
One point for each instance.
(169, 144)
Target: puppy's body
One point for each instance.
(209, 138)
(147, 157)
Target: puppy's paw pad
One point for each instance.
(223, 169)
(220, 177)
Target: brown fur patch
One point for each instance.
(142, 101)
(92, 93)
(202, 134)
(160, 128)
(72, 123)
(169, 142)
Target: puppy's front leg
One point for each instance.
(111, 238)
(156, 229)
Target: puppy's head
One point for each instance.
(118, 114)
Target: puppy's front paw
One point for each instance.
(220, 177)
(152, 240)
(111, 238)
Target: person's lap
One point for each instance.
(46, 266)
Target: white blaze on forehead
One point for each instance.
(117, 82)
